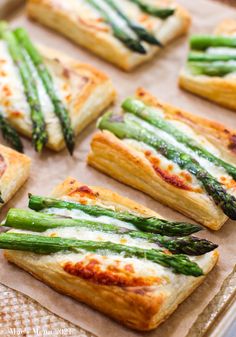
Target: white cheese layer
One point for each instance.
(77, 214)
(221, 51)
(215, 171)
(12, 97)
(164, 163)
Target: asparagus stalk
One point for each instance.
(59, 108)
(151, 224)
(118, 28)
(39, 133)
(147, 113)
(125, 127)
(39, 222)
(212, 69)
(202, 42)
(46, 245)
(140, 31)
(205, 57)
(10, 134)
(162, 13)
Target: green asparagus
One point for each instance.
(119, 30)
(10, 134)
(202, 42)
(162, 13)
(212, 69)
(39, 222)
(140, 31)
(151, 116)
(59, 107)
(125, 127)
(39, 129)
(205, 57)
(46, 245)
(150, 224)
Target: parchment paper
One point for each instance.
(160, 77)
(8, 5)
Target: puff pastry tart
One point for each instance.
(126, 33)
(47, 95)
(14, 171)
(184, 161)
(211, 67)
(109, 252)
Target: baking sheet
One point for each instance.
(160, 77)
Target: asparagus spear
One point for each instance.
(162, 13)
(59, 108)
(39, 222)
(151, 224)
(46, 245)
(39, 133)
(125, 127)
(204, 57)
(212, 69)
(202, 42)
(147, 113)
(118, 28)
(140, 31)
(10, 134)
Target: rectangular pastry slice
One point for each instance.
(211, 67)
(108, 252)
(47, 95)
(184, 161)
(126, 33)
(14, 171)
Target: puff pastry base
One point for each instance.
(221, 90)
(115, 158)
(141, 308)
(73, 25)
(14, 171)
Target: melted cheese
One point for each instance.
(164, 163)
(77, 214)
(221, 51)
(12, 96)
(215, 171)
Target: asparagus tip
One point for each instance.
(138, 47)
(71, 148)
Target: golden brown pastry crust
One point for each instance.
(141, 308)
(51, 13)
(216, 89)
(112, 156)
(95, 94)
(15, 173)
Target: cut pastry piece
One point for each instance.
(14, 171)
(47, 95)
(126, 33)
(86, 242)
(184, 161)
(211, 68)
